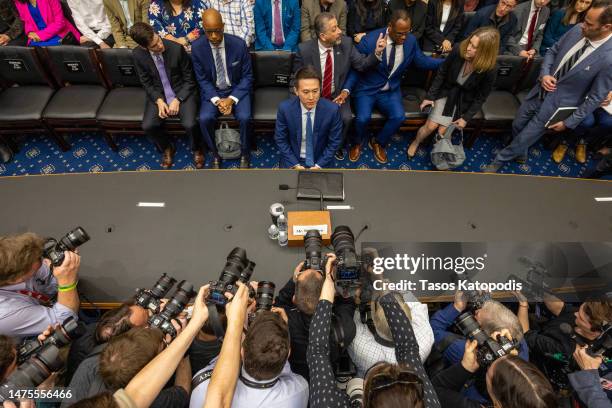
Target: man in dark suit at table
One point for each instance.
(164, 69)
(333, 55)
(575, 73)
(222, 65)
(380, 86)
(308, 128)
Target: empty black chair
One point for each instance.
(272, 73)
(22, 105)
(123, 108)
(75, 105)
(501, 105)
(529, 79)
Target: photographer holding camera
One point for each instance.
(511, 381)
(593, 390)
(265, 379)
(28, 287)
(385, 384)
(491, 317)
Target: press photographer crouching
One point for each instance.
(33, 294)
(489, 315)
(556, 343)
(385, 385)
(299, 298)
(511, 382)
(265, 378)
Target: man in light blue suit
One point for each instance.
(222, 66)
(380, 86)
(575, 73)
(277, 25)
(308, 128)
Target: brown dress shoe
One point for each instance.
(581, 153)
(379, 152)
(168, 157)
(355, 153)
(198, 159)
(559, 153)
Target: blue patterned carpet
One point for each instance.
(40, 155)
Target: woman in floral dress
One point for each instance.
(177, 20)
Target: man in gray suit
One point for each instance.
(333, 55)
(575, 72)
(531, 19)
(312, 8)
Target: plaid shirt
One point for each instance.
(237, 17)
(9, 18)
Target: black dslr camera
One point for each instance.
(488, 349)
(265, 296)
(42, 362)
(151, 298)
(312, 245)
(54, 250)
(237, 268)
(62, 336)
(536, 282)
(163, 320)
(348, 263)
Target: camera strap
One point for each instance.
(258, 385)
(200, 378)
(215, 321)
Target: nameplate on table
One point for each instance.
(16, 64)
(73, 66)
(301, 230)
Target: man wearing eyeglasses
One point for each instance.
(380, 86)
(497, 15)
(222, 65)
(28, 287)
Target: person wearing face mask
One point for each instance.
(461, 85)
(511, 382)
(531, 19)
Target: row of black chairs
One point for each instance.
(60, 90)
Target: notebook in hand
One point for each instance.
(560, 115)
(331, 184)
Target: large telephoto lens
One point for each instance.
(162, 286)
(265, 295)
(236, 262)
(74, 239)
(312, 246)
(468, 325)
(343, 239)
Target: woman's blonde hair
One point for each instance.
(488, 48)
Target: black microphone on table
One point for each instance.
(285, 187)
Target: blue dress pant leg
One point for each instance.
(527, 128)
(363, 113)
(242, 113)
(390, 104)
(208, 119)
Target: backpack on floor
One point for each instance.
(228, 142)
(445, 155)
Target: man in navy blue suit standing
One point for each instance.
(380, 86)
(222, 65)
(308, 128)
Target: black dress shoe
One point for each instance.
(245, 163)
(216, 163)
(339, 154)
(6, 154)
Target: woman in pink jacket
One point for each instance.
(45, 24)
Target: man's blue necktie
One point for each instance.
(309, 141)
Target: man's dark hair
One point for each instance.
(142, 34)
(400, 14)
(126, 355)
(307, 72)
(606, 15)
(266, 346)
(7, 354)
(321, 21)
(208, 328)
(113, 323)
(307, 291)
